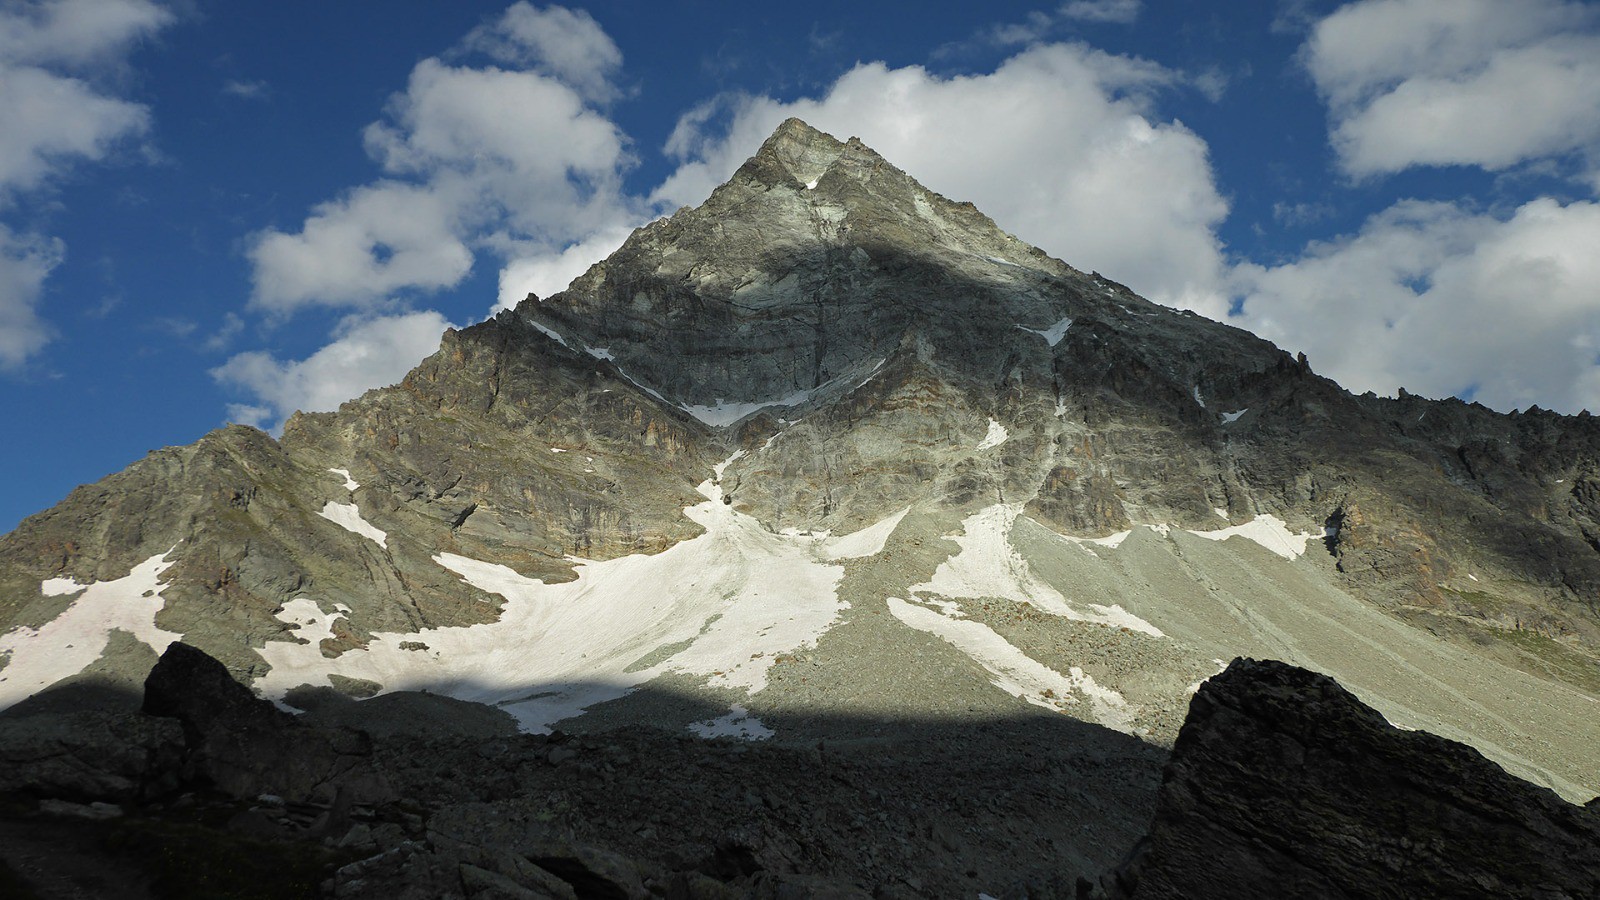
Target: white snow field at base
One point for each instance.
(72, 641)
(348, 517)
(1015, 672)
(988, 566)
(722, 605)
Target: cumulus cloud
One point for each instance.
(476, 158)
(1444, 301)
(566, 44)
(1060, 145)
(365, 353)
(75, 33)
(545, 274)
(378, 239)
(51, 119)
(1489, 83)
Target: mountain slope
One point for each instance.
(831, 443)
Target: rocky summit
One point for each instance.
(828, 472)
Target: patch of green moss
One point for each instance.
(1557, 659)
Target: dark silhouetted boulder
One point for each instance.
(1283, 784)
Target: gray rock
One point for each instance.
(1284, 784)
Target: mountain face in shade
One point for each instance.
(830, 450)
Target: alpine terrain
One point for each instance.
(825, 540)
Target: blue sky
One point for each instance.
(220, 212)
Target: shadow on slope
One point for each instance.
(1011, 806)
(1014, 807)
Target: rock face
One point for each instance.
(827, 451)
(1283, 784)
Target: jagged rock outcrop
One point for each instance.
(1283, 784)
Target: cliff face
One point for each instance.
(1283, 784)
(832, 442)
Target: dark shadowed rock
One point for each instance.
(1283, 784)
(189, 685)
(87, 755)
(244, 746)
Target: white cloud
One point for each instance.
(1098, 181)
(379, 239)
(76, 33)
(545, 274)
(24, 263)
(1122, 12)
(246, 90)
(1444, 301)
(568, 45)
(366, 353)
(51, 120)
(478, 158)
(1489, 83)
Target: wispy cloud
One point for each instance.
(246, 90)
(1121, 12)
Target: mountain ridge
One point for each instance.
(825, 346)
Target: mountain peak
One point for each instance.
(795, 151)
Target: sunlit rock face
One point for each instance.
(831, 444)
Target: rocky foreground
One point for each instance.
(1281, 784)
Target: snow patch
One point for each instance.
(1221, 513)
(722, 605)
(1110, 541)
(1015, 672)
(738, 723)
(724, 413)
(812, 184)
(550, 333)
(600, 353)
(558, 450)
(1269, 531)
(1197, 398)
(348, 517)
(1232, 417)
(72, 641)
(1053, 334)
(350, 484)
(868, 541)
(987, 565)
(997, 435)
